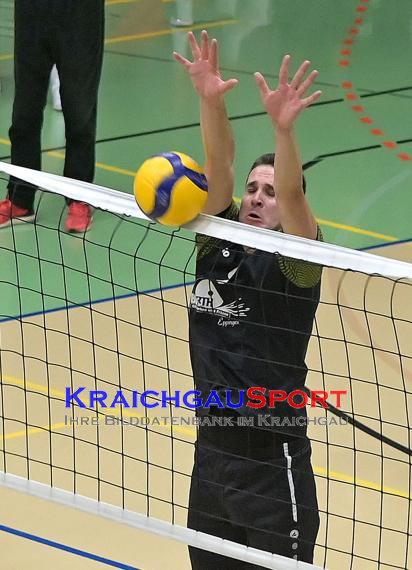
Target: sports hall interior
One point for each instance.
(356, 148)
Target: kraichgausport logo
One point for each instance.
(255, 397)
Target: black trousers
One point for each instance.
(262, 495)
(70, 34)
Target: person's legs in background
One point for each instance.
(32, 65)
(80, 37)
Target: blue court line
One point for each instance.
(386, 244)
(149, 291)
(69, 549)
(96, 302)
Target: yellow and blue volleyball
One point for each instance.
(171, 188)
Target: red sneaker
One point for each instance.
(79, 219)
(10, 213)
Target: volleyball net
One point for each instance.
(96, 392)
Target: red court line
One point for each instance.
(352, 96)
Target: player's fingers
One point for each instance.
(284, 70)
(194, 45)
(304, 86)
(213, 58)
(179, 58)
(296, 81)
(204, 45)
(229, 84)
(261, 83)
(312, 98)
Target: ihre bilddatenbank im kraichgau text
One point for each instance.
(255, 398)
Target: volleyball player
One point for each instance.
(251, 318)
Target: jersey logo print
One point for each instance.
(229, 276)
(206, 299)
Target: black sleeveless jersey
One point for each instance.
(249, 326)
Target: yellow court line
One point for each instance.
(101, 165)
(169, 31)
(355, 230)
(39, 388)
(321, 221)
(62, 425)
(126, 172)
(56, 154)
(337, 476)
(334, 475)
(6, 380)
(109, 2)
(346, 228)
(148, 35)
(32, 431)
(110, 168)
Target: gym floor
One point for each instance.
(357, 149)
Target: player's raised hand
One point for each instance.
(287, 101)
(204, 69)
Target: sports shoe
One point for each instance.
(79, 218)
(10, 213)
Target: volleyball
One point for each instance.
(170, 188)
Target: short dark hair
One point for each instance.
(268, 159)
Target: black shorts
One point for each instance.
(255, 488)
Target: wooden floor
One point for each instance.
(148, 471)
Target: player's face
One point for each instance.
(259, 206)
